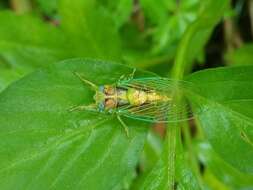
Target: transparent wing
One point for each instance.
(160, 111)
(158, 84)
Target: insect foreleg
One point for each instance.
(92, 85)
(124, 125)
(127, 77)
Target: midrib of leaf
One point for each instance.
(57, 143)
(50, 161)
(74, 157)
(100, 161)
(71, 161)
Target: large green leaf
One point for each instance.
(226, 99)
(8, 76)
(43, 145)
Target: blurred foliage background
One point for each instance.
(145, 34)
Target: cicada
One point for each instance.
(150, 99)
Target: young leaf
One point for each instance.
(45, 146)
(225, 96)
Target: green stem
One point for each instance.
(174, 131)
(21, 6)
(171, 136)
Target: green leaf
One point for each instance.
(43, 145)
(222, 170)
(86, 31)
(35, 46)
(241, 56)
(8, 76)
(90, 29)
(225, 96)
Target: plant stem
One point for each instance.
(171, 136)
(174, 132)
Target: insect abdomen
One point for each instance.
(139, 97)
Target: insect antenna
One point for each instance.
(91, 107)
(92, 85)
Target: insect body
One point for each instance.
(149, 99)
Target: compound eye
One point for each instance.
(109, 90)
(101, 106)
(101, 89)
(110, 103)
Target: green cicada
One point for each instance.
(149, 99)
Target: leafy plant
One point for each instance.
(45, 146)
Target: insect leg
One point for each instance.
(92, 85)
(91, 107)
(124, 125)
